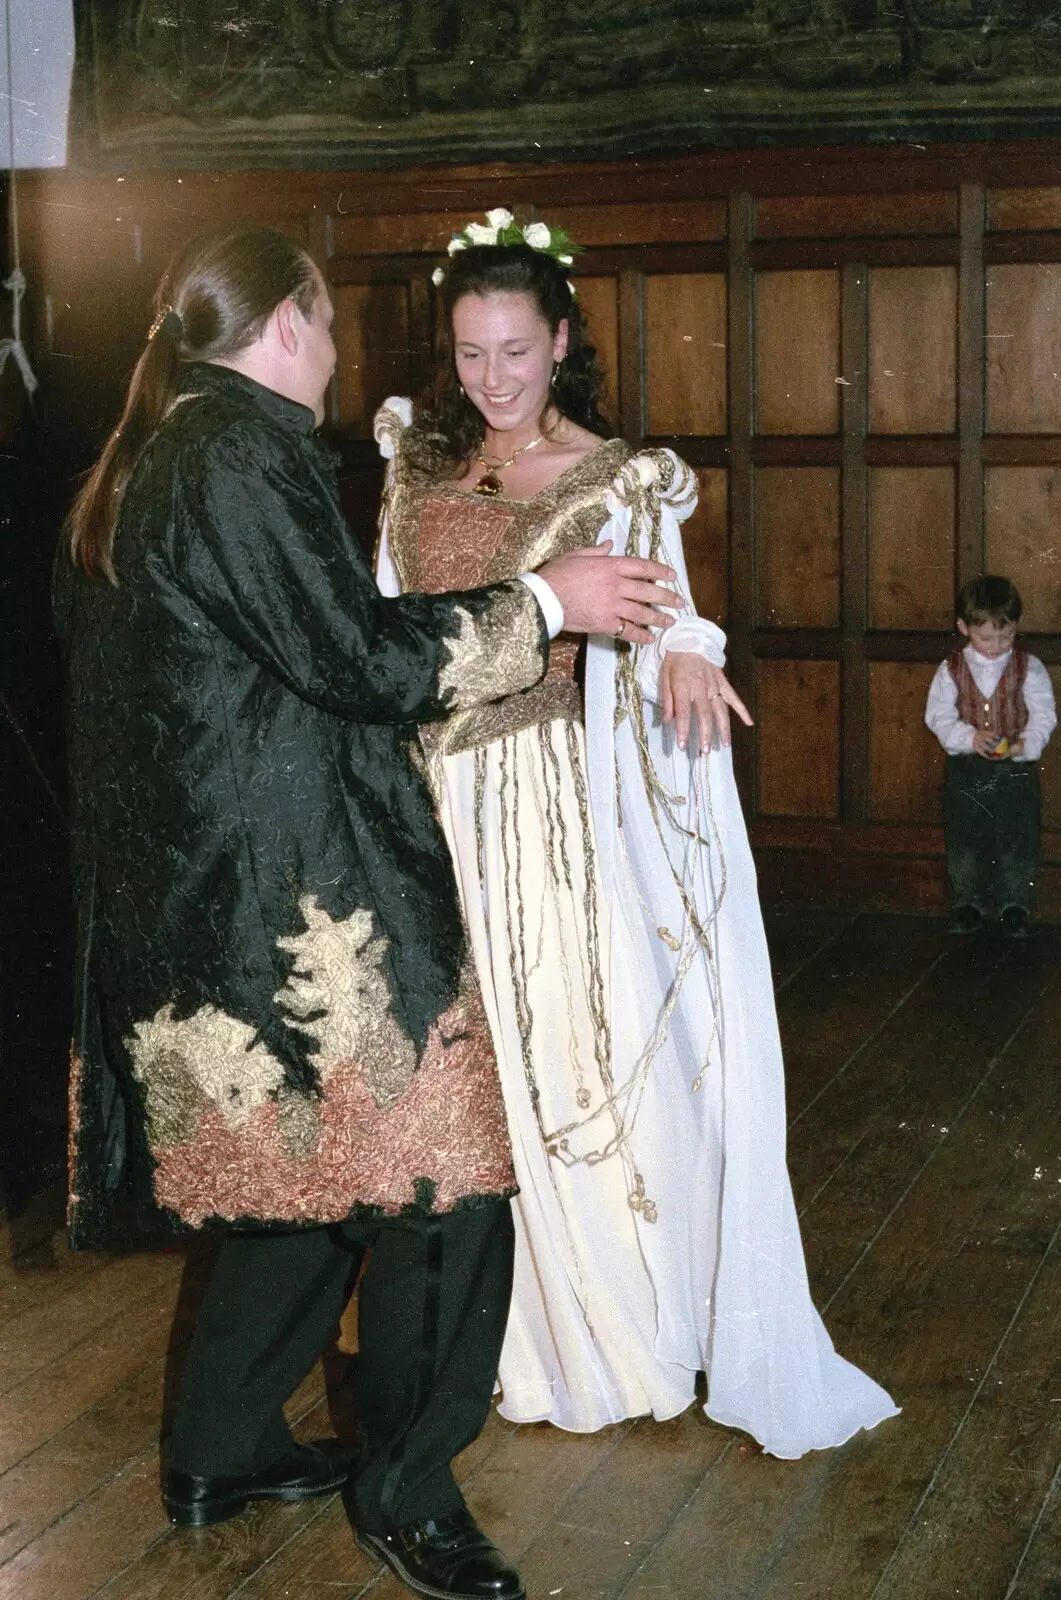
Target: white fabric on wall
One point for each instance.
(35, 98)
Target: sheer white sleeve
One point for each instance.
(391, 420)
(386, 572)
(667, 488)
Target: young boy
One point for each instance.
(991, 706)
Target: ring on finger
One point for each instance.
(621, 629)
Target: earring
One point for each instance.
(556, 369)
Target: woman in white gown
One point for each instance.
(611, 905)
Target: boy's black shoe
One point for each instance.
(967, 919)
(1015, 921)
(446, 1558)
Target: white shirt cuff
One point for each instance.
(689, 635)
(695, 636)
(552, 610)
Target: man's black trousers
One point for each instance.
(991, 832)
(433, 1303)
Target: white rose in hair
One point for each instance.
(479, 233)
(537, 235)
(500, 218)
(456, 244)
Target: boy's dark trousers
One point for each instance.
(991, 832)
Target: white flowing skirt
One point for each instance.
(621, 1290)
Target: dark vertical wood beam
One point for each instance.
(854, 545)
(319, 234)
(970, 553)
(632, 357)
(421, 332)
(742, 565)
(319, 242)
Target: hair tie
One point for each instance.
(168, 322)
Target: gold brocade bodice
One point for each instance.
(444, 538)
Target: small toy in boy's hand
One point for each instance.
(999, 750)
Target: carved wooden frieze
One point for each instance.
(378, 82)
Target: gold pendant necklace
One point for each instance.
(490, 484)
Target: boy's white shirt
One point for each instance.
(956, 736)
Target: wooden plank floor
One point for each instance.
(925, 1148)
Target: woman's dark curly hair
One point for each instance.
(445, 410)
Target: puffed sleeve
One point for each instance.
(264, 550)
(652, 494)
(390, 422)
(388, 425)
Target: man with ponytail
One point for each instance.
(278, 1029)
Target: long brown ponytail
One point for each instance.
(214, 299)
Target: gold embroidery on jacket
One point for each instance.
(298, 1124)
(386, 1132)
(493, 651)
(339, 994)
(445, 1141)
(208, 1055)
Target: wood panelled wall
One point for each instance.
(860, 354)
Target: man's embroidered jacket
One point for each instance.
(276, 1021)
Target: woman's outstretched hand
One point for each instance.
(620, 595)
(690, 686)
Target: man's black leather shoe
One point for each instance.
(446, 1558)
(306, 1471)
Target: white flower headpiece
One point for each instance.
(502, 228)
